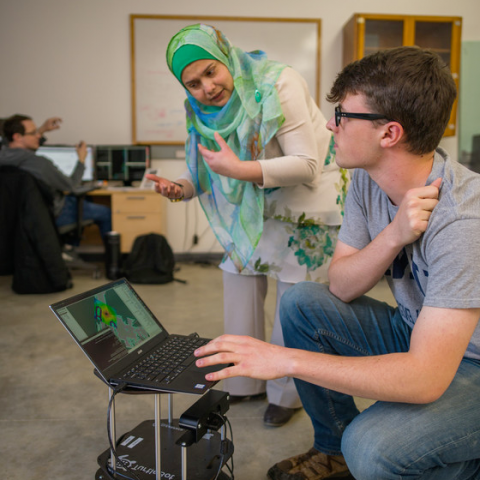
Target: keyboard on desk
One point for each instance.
(168, 361)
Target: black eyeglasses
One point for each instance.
(361, 116)
(35, 132)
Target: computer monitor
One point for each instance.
(125, 163)
(65, 158)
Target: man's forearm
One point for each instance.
(395, 377)
(420, 375)
(353, 273)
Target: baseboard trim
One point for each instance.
(190, 257)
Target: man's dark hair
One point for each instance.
(409, 85)
(12, 125)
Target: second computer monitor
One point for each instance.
(125, 163)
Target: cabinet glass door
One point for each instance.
(436, 36)
(382, 34)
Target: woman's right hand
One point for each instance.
(171, 190)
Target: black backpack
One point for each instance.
(150, 261)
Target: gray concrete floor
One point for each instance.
(53, 410)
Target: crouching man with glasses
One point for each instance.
(413, 217)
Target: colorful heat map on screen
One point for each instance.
(125, 327)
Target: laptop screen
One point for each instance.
(65, 158)
(109, 323)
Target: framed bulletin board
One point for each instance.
(158, 114)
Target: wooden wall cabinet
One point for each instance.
(367, 33)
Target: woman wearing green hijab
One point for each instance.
(261, 162)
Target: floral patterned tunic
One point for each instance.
(301, 220)
(292, 248)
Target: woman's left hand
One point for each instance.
(223, 162)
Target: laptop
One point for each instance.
(126, 343)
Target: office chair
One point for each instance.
(30, 248)
(72, 234)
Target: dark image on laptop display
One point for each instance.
(127, 344)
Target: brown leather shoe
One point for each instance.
(313, 465)
(276, 416)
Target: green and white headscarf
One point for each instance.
(249, 120)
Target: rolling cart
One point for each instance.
(192, 447)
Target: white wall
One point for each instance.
(72, 58)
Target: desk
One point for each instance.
(134, 212)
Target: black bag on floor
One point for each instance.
(150, 261)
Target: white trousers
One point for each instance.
(244, 301)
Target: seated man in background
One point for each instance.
(412, 215)
(23, 140)
(52, 123)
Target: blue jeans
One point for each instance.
(100, 214)
(387, 441)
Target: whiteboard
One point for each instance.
(158, 114)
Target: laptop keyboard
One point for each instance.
(168, 361)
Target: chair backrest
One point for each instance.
(29, 245)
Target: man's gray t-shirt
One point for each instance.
(442, 268)
(44, 169)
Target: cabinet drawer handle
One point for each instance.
(136, 217)
(136, 198)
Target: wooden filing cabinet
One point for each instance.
(136, 213)
(366, 33)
